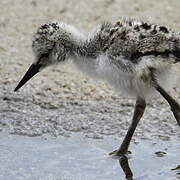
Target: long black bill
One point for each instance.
(33, 69)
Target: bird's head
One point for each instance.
(52, 43)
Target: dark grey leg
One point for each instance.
(175, 107)
(138, 113)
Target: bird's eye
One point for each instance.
(45, 55)
(43, 58)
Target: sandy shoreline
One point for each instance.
(61, 100)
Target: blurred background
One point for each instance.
(61, 101)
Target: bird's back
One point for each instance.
(134, 39)
(133, 49)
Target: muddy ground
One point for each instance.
(60, 100)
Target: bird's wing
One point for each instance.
(134, 39)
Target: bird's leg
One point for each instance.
(175, 107)
(138, 113)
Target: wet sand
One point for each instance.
(61, 101)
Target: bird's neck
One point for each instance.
(79, 45)
(89, 47)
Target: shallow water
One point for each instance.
(79, 158)
(61, 101)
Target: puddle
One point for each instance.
(78, 158)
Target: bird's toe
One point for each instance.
(119, 155)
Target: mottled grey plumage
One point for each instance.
(134, 56)
(131, 48)
(127, 38)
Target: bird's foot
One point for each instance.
(123, 156)
(117, 154)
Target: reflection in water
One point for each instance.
(124, 164)
(123, 161)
